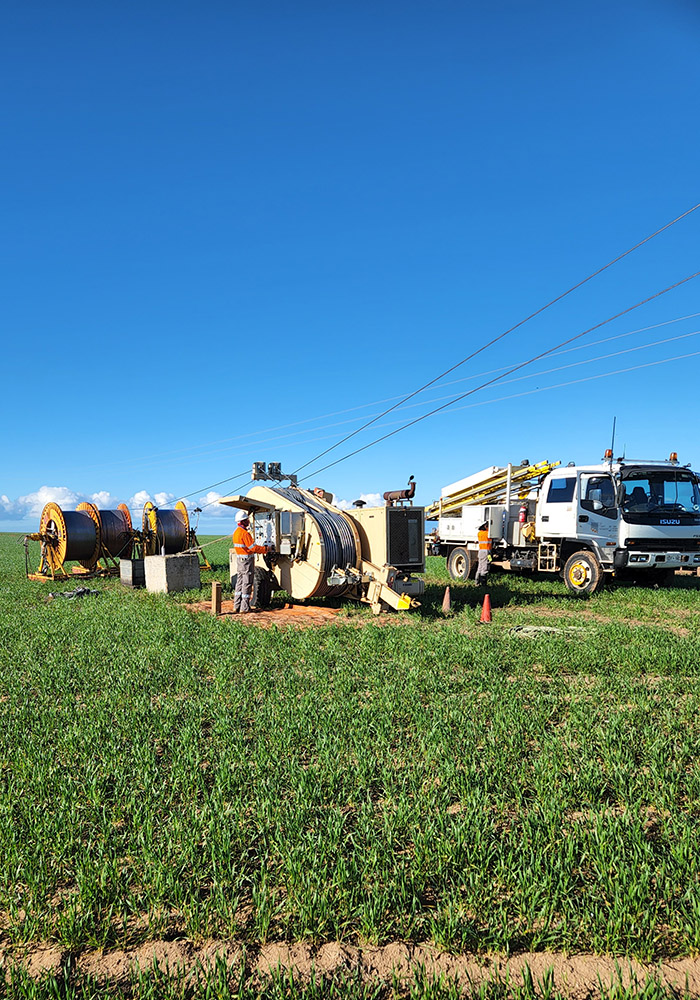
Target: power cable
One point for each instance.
(297, 440)
(186, 496)
(377, 402)
(456, 397)
(495, 340)
(578, 381)
(510, 371)
(600, 357)
(587, 361)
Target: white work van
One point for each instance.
(625, 519)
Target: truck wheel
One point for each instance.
(262, 588)
(461, 564)
(582, 573)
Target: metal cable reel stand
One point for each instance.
(94, 538)
(365, 554)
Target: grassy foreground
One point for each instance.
(164, 773)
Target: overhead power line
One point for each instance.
(549, 371)
(578, 381)
(262, 437)
(495, 340)
(529, 392)
(296, 440)
(510, 371)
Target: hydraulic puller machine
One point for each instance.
(368, 554)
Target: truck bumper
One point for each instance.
(656, 560)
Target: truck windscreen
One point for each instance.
(659, 492)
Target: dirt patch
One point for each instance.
(44, 960)
(295, 616)
(576, 976)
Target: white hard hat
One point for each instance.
(241, 515)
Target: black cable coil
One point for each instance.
(336, 534)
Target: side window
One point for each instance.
(561, 490)
(598, 496)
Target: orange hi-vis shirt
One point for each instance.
(244, 543)
(484, 540)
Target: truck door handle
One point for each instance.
(545, 517)
(583, 517)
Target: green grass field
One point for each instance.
(166, 775)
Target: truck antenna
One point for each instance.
(612, 443)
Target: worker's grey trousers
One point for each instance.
(244, 583)
(482, 570)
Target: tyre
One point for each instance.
(262, 588)
(461, 564)
(583, 574)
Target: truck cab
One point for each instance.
(634, 517)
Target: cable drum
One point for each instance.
(117, 532)
(74, 534)
(166, 532)
(339, 549)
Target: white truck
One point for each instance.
(623, 518)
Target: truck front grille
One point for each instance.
(664, 544)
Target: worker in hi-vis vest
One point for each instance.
(246, 550)
(482, 571)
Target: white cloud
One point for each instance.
(142, 497)
(104, 500)
(370, 499)
(212, 508)
(139, 500)
(32, 504)
(8, 508)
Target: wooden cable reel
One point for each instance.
(165, 532)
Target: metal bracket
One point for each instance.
(273, 470)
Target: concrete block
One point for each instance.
(131, 572)
(169, 574)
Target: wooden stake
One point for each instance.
(216, 598)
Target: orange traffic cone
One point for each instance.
(446, 602)
(485, 611)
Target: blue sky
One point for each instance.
(231, 231)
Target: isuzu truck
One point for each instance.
(623, 519)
